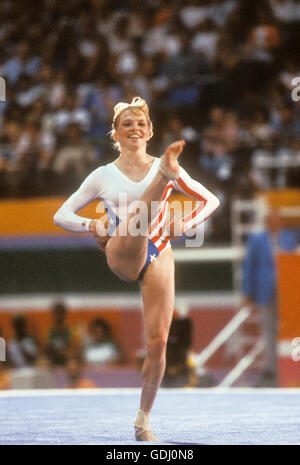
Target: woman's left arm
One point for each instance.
(207, 202)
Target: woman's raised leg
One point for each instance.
(126, 254)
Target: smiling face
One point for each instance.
(132, 129)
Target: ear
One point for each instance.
(150, 136)
(115, 136)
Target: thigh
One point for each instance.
(158, 296)
(126, 256)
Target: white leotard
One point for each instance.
(108, 182)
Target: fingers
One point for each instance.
(176, 147)
(101, 245)
(181, 143)
(101, 241)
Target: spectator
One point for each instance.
(259, 285)
(76, 378)
(192, 14)
(101, 349)
(205, 39)
(179, 343)
(219, 139)
(182, 72)
(287, 127)
(63, 340)
(261, 129)
(75, 158)
(22, 350)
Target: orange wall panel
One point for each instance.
(35, 216)
(289, 295)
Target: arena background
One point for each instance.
(219, 74)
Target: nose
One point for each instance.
(136, 124)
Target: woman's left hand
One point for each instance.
(97, 228)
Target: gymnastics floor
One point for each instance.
(237, 416)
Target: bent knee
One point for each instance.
(121, 268)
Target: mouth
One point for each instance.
(134, 136)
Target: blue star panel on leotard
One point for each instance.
(152, 253)
(113, 222)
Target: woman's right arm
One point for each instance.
(66, 216)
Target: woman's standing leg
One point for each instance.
(158, 302)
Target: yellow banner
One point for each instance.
(35, 216)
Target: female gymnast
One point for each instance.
(148, 256)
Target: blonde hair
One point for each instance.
(137, 105)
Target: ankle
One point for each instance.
(142, 418)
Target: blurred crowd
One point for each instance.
(217, 73)
(74, 353)
(67, 347)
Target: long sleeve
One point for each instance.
(66, 216)
(193, 189)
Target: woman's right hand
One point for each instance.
(97, 228)
(175, 148)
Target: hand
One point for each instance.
(175, 148)
(98, 229)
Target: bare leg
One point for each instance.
(158, 301)
(126, 254)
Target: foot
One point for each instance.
(169, 165)
(142, 428)
(142, 434)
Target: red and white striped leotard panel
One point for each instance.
(207, 204)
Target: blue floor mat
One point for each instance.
(204, 416)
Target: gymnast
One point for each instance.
(146, 256)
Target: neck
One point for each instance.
(133, 156)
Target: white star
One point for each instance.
(111, 221)
(152, 257)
